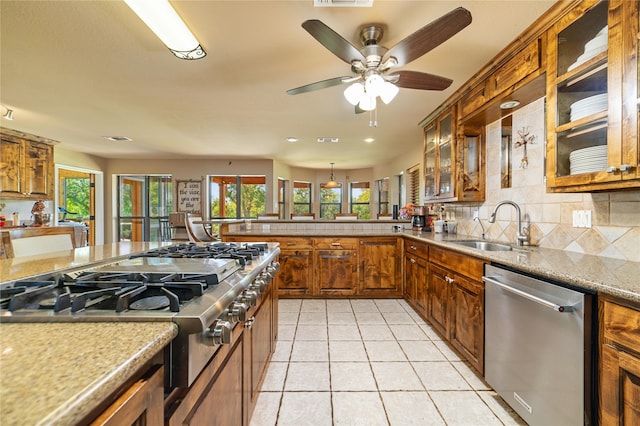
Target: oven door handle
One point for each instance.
(529, 296)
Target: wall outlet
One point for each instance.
(266, 228)
(582, 219)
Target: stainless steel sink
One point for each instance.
(484, 245)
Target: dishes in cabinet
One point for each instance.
(588, 106)
(587, 160)
(592, 48)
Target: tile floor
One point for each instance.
(369, 362)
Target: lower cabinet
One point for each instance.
(619, 364)
(380, 267)
(455, 302)
(416, 268)
(141, 404)
(258, 349)
(296, 272)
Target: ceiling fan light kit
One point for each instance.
(372, 62)
(167, 25)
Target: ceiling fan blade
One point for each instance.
(332, 41)
(358, 110)
(319, 85)
(429, 36)
(421, 80)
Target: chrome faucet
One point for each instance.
(481, 226)
(522, 236)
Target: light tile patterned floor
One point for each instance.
(369, 362)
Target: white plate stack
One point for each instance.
(587, 160)
(588, 106)
(593, 47)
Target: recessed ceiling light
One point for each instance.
(327, 139)
(509, 104)
(292, 139)
(118, 138)
(369, 140)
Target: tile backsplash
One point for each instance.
(615, 230)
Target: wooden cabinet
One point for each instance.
(439, 157)
(141, 404)
(415, 274)
(296, 267)
(380, 267)
(336, 266)
(619, 363)
(592, 93)
(524, 63)
(27, 170)
(455, 302)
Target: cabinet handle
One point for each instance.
(414, 248)
(335, 244)
(625, 167)
(612, 169)
(412, 260)
(335, 256)
(449, 280)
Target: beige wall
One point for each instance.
(615, 215)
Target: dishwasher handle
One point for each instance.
(539, 300)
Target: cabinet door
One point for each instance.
(467, 320)
(430, 161)
(37, 165)
(438, 296)
(380, 267)
(336, 272)
(619, 388)
(471, 164)
(258, 334)
(296, 272)
(416, 282)
(141, 404)
(410, 278)
(421, 277)
(445, 175)
(11, 156)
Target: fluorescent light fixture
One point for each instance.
(165, 22)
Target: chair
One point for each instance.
(196, 232)
(303, 216)
(385, 216)
(346, 216)
(268, 216)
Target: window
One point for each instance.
(226, 193)
(301, 197)
(330, 201)
(414, 185)
(382, 186)
(359, 199)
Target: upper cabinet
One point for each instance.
(592, 98)
(26, 166)
(453, 160)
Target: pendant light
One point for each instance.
(332, 182)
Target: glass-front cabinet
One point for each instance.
(439, 157)
(592, 97)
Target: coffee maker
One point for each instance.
(418, 218)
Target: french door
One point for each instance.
(144, 203)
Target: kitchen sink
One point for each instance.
(484, 245)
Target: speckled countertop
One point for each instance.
(56, 374)
(620, 278)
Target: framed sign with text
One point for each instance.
(188, 196)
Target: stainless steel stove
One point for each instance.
(203, 288)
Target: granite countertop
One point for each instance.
(615, 277)
(57, 373)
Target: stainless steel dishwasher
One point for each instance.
(539, 347)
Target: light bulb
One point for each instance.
(388, 92)
(374, 85)
(353, 93)
(368, 102)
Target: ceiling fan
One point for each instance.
(373, 64)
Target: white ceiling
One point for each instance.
(76, 71)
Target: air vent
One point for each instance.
(118, 138)
(322, 140)
(342, 3)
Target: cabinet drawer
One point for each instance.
(474, 100)
(621, 324)
(336, 243)
(416, 248)
(296, 243)
(517, 68)
(461, 263)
